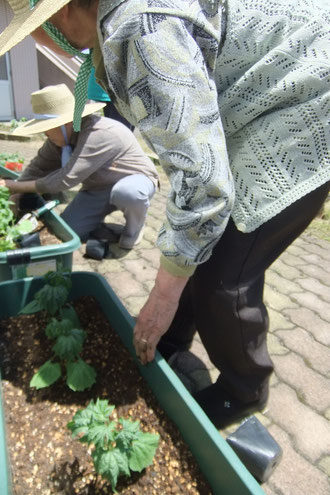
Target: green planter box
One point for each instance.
(220, 465)
(34, 261)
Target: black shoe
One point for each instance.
(223, 409)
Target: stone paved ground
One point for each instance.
(298, 298)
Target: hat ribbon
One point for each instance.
(81, 84)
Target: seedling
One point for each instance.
(119, 445)
(64, 329)
(9, 231)
(54, 294)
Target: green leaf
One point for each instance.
(32, 307)
(69, 313)
(46, 375)
(66, 327)
(67, 348)
(80, 375)
(53, 329)
(110, 464)
(80, 424)
(143, 451)
(51, 299)
(128, 433)
(101, 410)
(60, 277)
(6, 244)
(101, 434)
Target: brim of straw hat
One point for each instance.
(28, 20)
(36, 126)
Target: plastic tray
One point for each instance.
(220, 465)
(36, 261)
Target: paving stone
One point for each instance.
(149, 285)
(134, 304)
(310, 386)
(278, 321)
(78, 258)
(281, 284)
(276, 300)
(150, 234)
(315, 355)
(314, 303)
(115, 266)
(286, 271)
(311, 322)
(275, 347)
(84, 268)
(274, 380)
(152, 256)
(315, 259)
(310, 431)
(315, 286)
(296, 250)
(268, 491)
(293, 260)
(324, 465)
(198, 349)
(317, 272)
(295, 475)
(155, 223)
(124, 285)
(141, 270)
(315, 246)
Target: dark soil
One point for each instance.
(47, 237)
(44, 458)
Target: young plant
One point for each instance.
(65, 331)
(119, 446)
(53, 295)
(9, 231)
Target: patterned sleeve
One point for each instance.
(172, 96)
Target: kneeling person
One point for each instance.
(104, 157)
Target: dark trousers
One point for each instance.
(223, 300)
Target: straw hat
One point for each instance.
(26, 20)
(53, 107)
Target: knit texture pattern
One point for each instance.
(273, 79)
(232, 96)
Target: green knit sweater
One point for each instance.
(232, 96)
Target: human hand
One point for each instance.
(7, 183)
(157, 314)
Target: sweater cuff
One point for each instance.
(176, 270)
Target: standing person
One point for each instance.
(233, 97)
(104, 157)
(96, 93)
